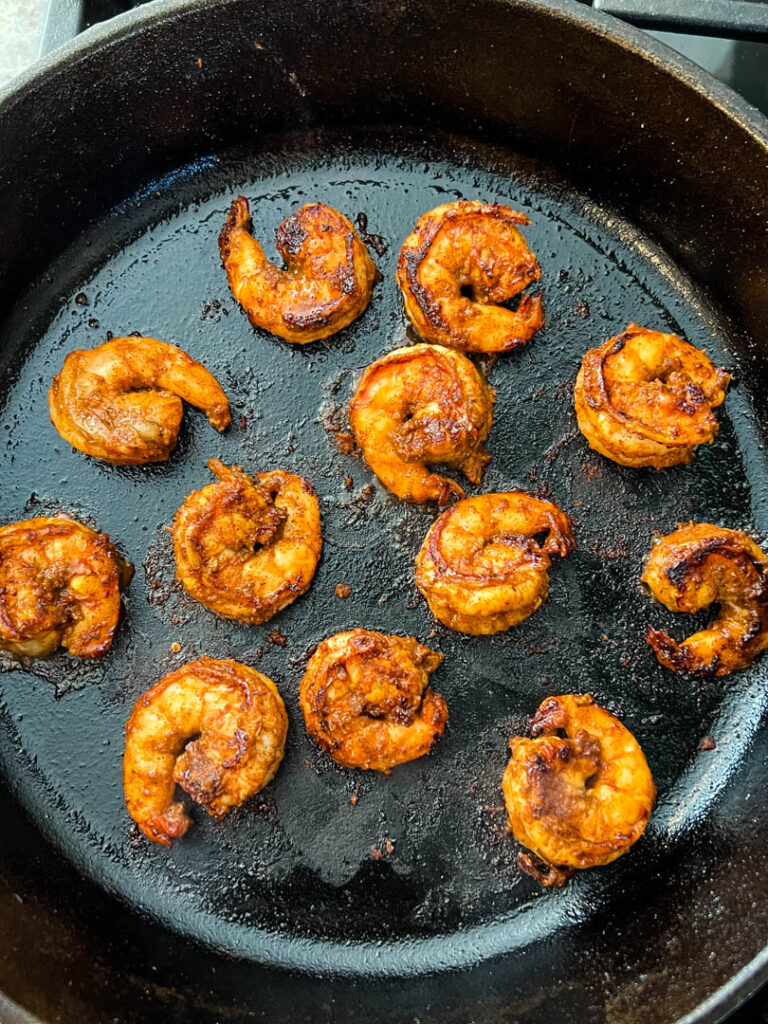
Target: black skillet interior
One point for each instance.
(330, 870)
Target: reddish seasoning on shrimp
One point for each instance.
(216, 728)
(366, 699)
(421, 405)
(459, 265)
(325, 285)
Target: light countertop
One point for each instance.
(21, 28)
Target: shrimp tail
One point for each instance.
(528, 319)
(474, 465)
(167, 827)
(547, 875)
(673, 655)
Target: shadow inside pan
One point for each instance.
(329, 869)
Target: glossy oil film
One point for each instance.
(330, 869)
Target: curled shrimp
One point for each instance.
(366, 699)
(327, 280)
(459, 264)
(215, 728)
(60, 585)
(246, 548)
(699, 565)
(483, 566)
(122, 401)
(420, 405)
(645, 398)
(579, 793)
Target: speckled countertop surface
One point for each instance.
(21, 28)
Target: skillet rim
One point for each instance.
(722, 96)
(729, 996)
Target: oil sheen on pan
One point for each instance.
(424, 852)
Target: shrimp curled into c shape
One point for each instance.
(60, 584)
(420, 405)
(328, 276)
(122, 401)
(477, 248)
(579, 793)
(699, 565)
(246, 548)
(366, 699)
(645, 398)
(240, 725)
(481, 567)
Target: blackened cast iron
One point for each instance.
(646, 186)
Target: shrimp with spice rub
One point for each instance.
(366, 699)
(122, 401)
(246, 548)
(215, 728)
(327, 280)
(419, 405)
(699, 565)
(459, 264)
(579, 793)
(645, 398)
(482, 568)
(60, 585)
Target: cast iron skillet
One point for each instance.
(646, 183)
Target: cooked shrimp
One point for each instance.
(246, 548)
(699, 565)
(328, 276)
(215, 728)
(366, 699)
(579, 793)
(122, 401)
(459, 264)
(482, 568)
(423, 405)
(645, 398)
(59, 586)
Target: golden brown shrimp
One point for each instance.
(645, 398)
(579, 793)
(421, 405)
(481, 567)
(246, 548)
(475, 248)
(59, 586)
(328, 276)
(215, 728)
(699, 565)
(122, 401)
(366, 699)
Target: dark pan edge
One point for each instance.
(603, 25)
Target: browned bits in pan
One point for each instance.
(248, 547)
(645, 398)
(215, 728)
(60, 585)
(422, 405)
(122, 401)
(579, 793)
(483, 566)
(460, 263)
(366, 699)
(699, 565)
(327, 280)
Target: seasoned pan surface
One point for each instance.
(329, 869)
